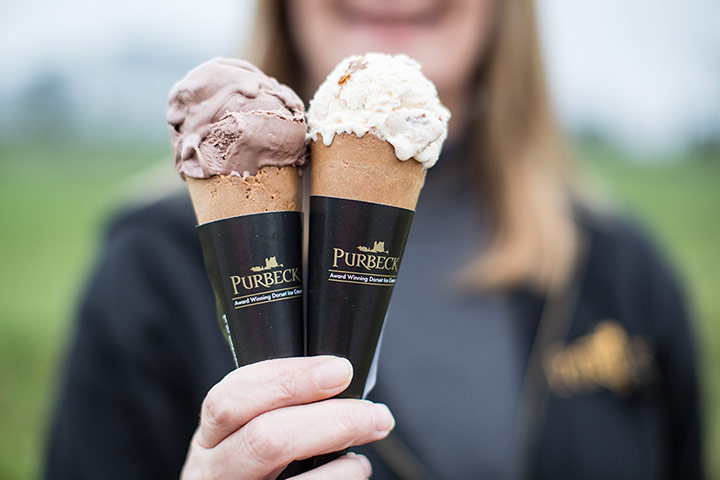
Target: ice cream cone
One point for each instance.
(383, 192)
(376, 125)
(364, 169)
(250, 233)
(272, 189)
(238, 244)
(239, 139)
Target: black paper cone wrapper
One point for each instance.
(255, 267)
(355, 252)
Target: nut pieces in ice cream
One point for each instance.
(387, 96)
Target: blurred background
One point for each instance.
(82, 132)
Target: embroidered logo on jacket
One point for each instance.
(606, 358)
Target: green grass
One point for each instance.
(54, 202)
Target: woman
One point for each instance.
(569, 356)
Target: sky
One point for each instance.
(644, 73)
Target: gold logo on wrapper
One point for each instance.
(378, 247)
(272, 283)
(375, 266)
(270, 263)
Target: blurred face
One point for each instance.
(447, 37)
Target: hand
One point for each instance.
(261, 417)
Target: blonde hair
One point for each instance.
(521, 166)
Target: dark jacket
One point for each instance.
(147, 349)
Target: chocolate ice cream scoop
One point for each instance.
(229, 118)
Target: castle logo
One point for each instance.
(378, 247)
(270, 263)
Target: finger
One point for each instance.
(348, 467)
(276, 438)
(255, 389)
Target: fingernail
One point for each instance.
(384, 420)
(366, 464)
(332, 373)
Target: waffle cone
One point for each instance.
(364, 169)
(272, 189)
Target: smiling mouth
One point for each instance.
(380, 17)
